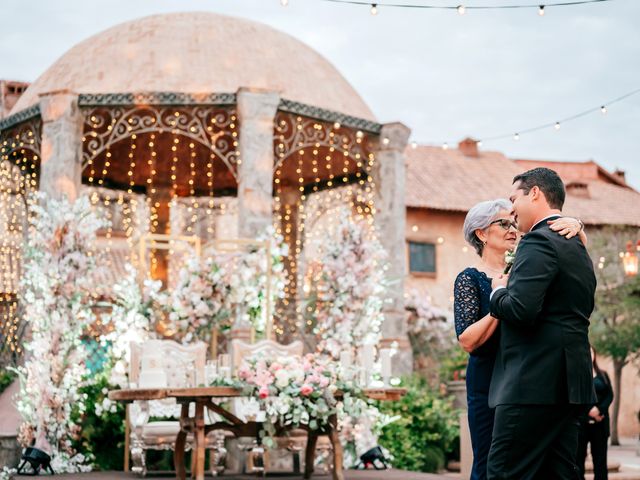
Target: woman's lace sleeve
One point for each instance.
(466, 302)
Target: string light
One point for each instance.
(284, 3)
(374, 9)
(461, 9)
(602, 108)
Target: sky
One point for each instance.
(445, 75)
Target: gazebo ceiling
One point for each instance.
(198, 52)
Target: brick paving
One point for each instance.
(349, 475)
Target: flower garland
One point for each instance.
(349, 288)
(57, 308)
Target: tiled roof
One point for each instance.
(449, 180)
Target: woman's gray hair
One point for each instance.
(480, 217)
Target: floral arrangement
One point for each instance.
(134, 311)
(348, 288)
(224, 287)
(291, 391)
(509, 258)
(57, 308)
(431, 323)
(361, 424)
(247, 277)
(198, 302)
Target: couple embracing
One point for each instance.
(529, 377)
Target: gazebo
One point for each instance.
(198, 124)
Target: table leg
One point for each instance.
(200, 440)
(178, 452)
(310, 454)
(338, 460)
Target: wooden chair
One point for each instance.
(183, 367)
(267, 349)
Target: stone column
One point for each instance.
(61, 154)
(389, 177)
(256, 113)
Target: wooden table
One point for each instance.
(203, 397)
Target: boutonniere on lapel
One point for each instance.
(509, 258)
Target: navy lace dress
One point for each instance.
(471, 303)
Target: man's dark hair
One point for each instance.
(547, 180)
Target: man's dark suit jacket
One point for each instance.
(544, 356)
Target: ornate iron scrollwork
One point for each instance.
(209, 125)
(294, 133)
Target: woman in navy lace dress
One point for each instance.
(490, 229)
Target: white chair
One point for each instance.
(183, 366)
(266, 349)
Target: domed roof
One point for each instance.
(198, 52)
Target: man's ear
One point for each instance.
(535, 193)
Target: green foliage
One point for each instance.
(454, 365)
(101, 436)
(6, 378)
(616, 320)
(427, 432)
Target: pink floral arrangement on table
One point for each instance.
(292, 391)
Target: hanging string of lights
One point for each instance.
(460, 8)
(603, 108)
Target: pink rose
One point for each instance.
(306, 389)
(263, 392)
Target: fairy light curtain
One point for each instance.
(319, 165)
(19, 173)
(174, 162)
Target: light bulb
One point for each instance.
(284, 3)
(461, 9)
(479, 143)
(557, 126)
(374, 9)
(603, 109)
(414, 145)
(516, 136)
(541, 10)
(445, 146)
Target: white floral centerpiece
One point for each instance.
(57, 309)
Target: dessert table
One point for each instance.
(203, 398)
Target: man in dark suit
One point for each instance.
(542, 379)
